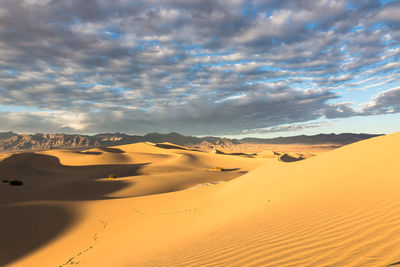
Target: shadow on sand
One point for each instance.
(288, 158)
(26, 228)
(45, 178)
(26, 225)
(170, 146)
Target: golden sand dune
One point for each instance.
(339, 208)
(268, 154)
(58, 184)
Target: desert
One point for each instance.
(199, 133)
(173, 206)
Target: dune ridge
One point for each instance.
(59, 185)
(339, 208)
(321, 215)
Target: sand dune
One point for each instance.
(339, 208)
(58, 184)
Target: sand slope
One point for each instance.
(340, 208)
(60, 184)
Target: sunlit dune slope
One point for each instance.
(340, 208)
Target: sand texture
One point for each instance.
(339, 208)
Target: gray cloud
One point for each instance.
(385, 102)
(285, 128)
(199, 67)
(31, 123)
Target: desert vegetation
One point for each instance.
(16, 182)
(13, 182)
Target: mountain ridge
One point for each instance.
(10, 141)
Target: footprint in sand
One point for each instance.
(73, 260)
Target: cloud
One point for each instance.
(384, 102)
(23, 122)
(284, 128)
(199, 67)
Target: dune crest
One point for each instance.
(336, 209)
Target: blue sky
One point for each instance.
(227, 68)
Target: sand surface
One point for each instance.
(339, 208)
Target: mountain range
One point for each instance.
(10, 141)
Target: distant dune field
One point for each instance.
(172, 206)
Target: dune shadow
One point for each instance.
(248, 155)
(230, 170)
(112, 150)
(287, 158)
(168, 146)
(45, 178)
(88, 152)
(219, 169)
(26, 228)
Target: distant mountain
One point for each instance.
(10, 141)
(339, 139)
(4, 135)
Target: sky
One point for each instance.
(225, 68)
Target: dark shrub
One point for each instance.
(5, 181)
(16, 182)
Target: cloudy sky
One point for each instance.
(200, 67)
